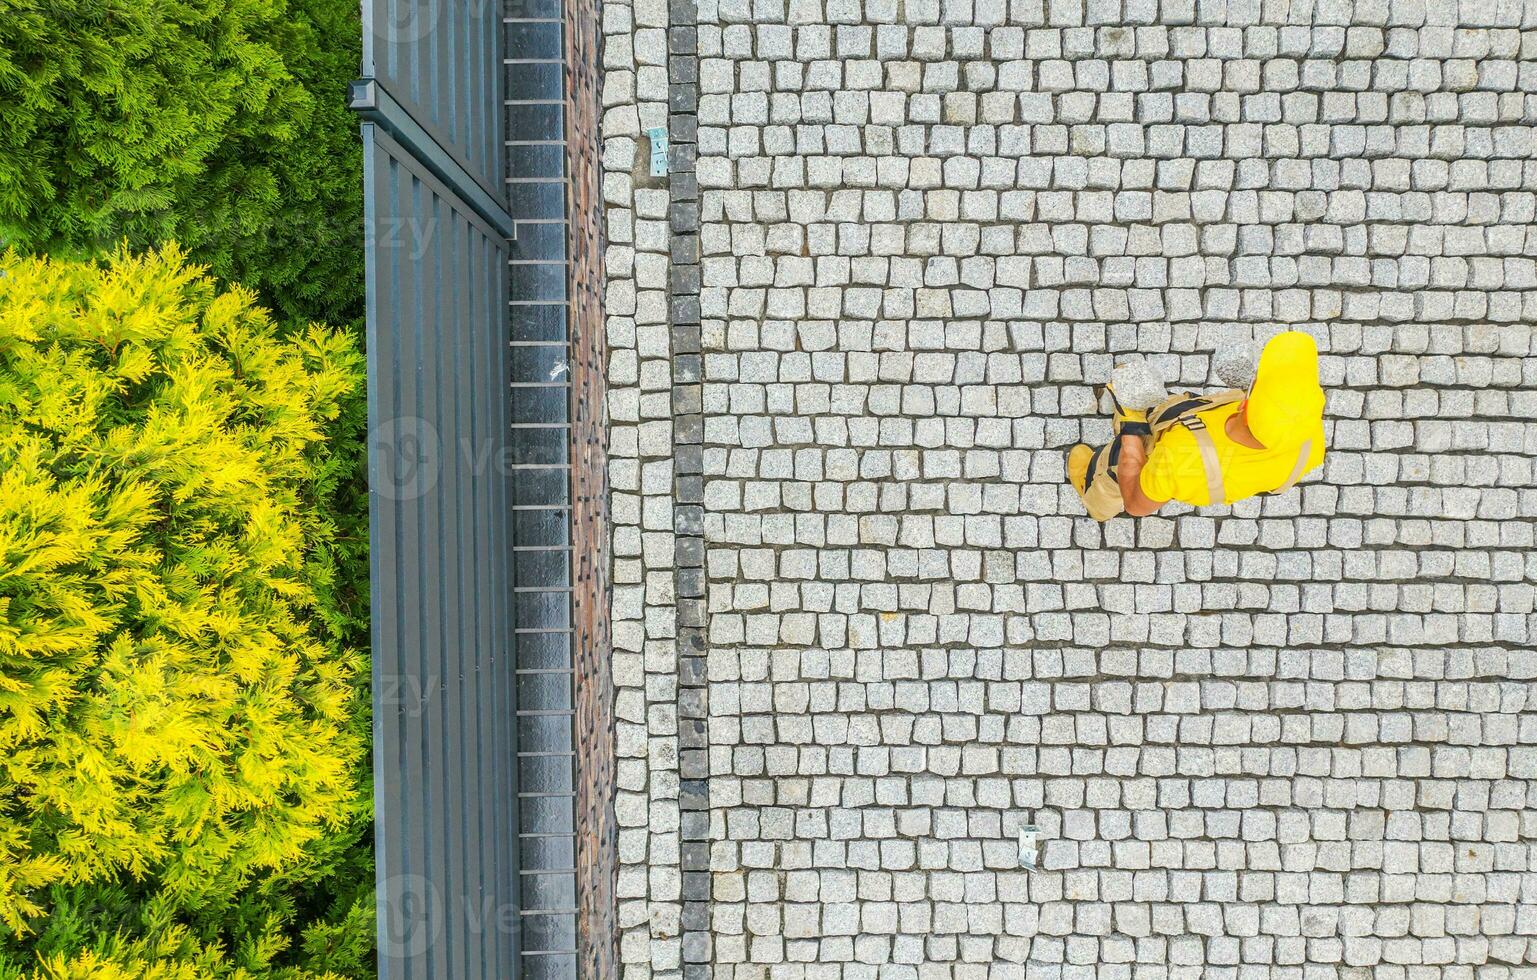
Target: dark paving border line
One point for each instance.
(688, 487)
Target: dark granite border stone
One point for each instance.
(688, 522)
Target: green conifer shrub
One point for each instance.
(183, 719)
(221, 124)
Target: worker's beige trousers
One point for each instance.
(1102, 491)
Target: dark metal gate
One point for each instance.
(488, 636)
(445, 736)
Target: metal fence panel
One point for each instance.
(442, 60)
(481, 586)
(445, 723)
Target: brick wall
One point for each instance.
(1294, 737)
(596, 850)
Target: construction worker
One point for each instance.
(1206, 449)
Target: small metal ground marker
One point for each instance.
(658, 137)
(1029, 847)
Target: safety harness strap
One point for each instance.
(1183, 410)
(1297, 470)
(1216, 491)
(1170, 411)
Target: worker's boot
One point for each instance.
(1078, 466)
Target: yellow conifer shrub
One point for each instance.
(174, 718)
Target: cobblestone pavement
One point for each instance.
(1295, 737)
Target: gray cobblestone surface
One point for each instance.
(1295, 737)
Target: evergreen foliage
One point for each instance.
(183, 722)
(220, 124)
